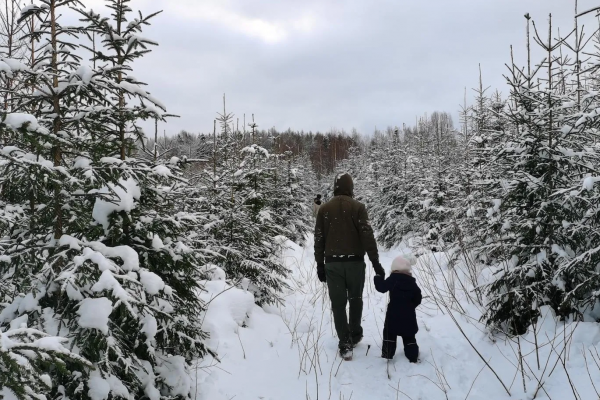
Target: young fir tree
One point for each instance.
(242, 221)
(108, 263)
(153, 225)
(484, 126)
(31, 362)
(391, 206)
(13, 48)
(440, 188)
(357, 166)
(36, 181)
(539, 224)
(25, 356)
(288, 198)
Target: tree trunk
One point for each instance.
(56, 126)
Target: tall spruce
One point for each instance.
(105, 257)
(242, 186)
(539, 224)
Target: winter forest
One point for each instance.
(140, 265)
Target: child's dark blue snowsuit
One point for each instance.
(400, 318)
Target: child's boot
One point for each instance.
(411, 348)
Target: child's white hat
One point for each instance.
(401, 264)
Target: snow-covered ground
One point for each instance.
(289, 352)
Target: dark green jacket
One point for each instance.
(342, 227)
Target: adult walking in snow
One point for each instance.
(342, 236)
(400, 317)
(316, 205)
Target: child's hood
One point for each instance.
(403, 281)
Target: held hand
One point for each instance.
(321, 272)
(378, 269)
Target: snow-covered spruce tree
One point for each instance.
(287, 197)
(442, 190)
(367, 166)
(35, 181)
(147, 218)
(25, 356)
(116, 277)
(33, 170)
(357, 165)
(264, 194)
(484, 126)
(304, 183)
(420, 182)
(540, 224)
(31, 362)
(391, 205)
(242, 222)
(579, 271)
(439, 184)
(416, 186)
(12, 47)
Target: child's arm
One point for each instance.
(381, 284)
(417, 297)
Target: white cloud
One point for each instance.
(305, 24)
(269, 30)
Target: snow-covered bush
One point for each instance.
(26, 356)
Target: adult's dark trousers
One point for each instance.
(346, 281)
(388, 349)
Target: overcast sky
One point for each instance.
(323, 64)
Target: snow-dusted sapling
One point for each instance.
(25, 356)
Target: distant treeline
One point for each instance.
(324, 150)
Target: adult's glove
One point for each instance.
(321, 272)
(378, 269)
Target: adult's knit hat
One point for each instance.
(343, 185)
(401, 264)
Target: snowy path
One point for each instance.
(289, 352)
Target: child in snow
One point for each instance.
(400, 318)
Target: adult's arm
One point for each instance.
(367, 237)
(320, 239)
